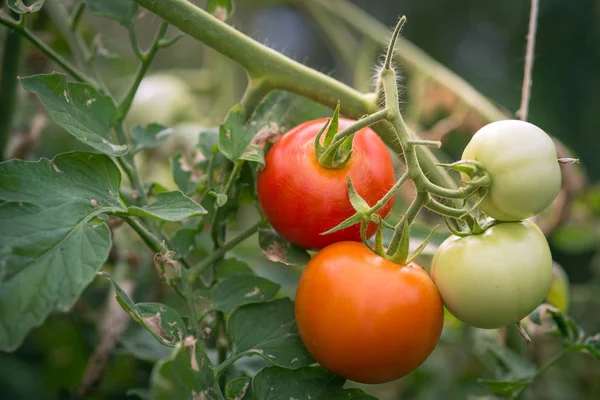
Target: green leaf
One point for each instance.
(164, 323)
(275, 337)
(220, 8)
(238, 290)
(169, 206)
(123, 11)
(20, 7)
(186, 374)
(221, 198)
(208, 142)
(142, 345)
(592, 346)
(280, 250)
(236, 388)
(505, 388)
(514, 367)
(79, 109)
(149, 137)
(274, 383)
(51, 244)
(231, 267)
(183, 174)
(234, 138)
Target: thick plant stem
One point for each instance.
(51, 54)
(8, 86)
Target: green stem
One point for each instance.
(193, 318)
(215, 216)
(358, 125)
(11, 59)
(413, 210)
(222, 346)
(147, 59)
(442, 209)
(150, 239)
(540, 371)
(219, 369)
(256, 91)
(44, 48)
(388, 57)
(197, 269)
(76, 16)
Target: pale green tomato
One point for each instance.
(163, 99)
(495, 278)
(521, 159)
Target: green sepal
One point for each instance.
(469, 170)
(333, 127)
(359, 204)
(319, 148)
(399, 254)
(419, 250)
(379, 249)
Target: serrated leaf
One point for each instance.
(123, 11)
(79, 109)
(275, 338)
(280, 250)
(186, 374)
(164, 323)
(149, 137)
(236, 388)
(20, 7)
(238, 290)
(505, 388)
(220, 8)
(169, 206)
(274, 383)
(142, 345)
(51, 246)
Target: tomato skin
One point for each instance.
(521, 159)
(364, 317)
(301, 199)
(496, 278)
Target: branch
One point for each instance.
(526, 90)
(8, 86)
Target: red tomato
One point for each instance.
(301, 199)
(364, 317)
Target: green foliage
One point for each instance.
(280, 250)
(52, 241)
(149, 137)
(169, 206)
(19, 7)
(122, 11)
(79, 109)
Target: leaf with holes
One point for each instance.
(149, 137)
(169, 206)
(79, 109)
(275, 338)
(19, 7)
(123, 11)
(280, 250)
(238, 290)
(186, 374)
(274, 383)
(164, 323)
(52, 244)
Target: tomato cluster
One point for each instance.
(371, 320)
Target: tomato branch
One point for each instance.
(8, 86)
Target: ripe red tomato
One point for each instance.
(364, 317)
(302, 199)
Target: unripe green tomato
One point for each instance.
(495, 278)
(521, 159)
(163, 99)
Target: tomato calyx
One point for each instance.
(333, 152)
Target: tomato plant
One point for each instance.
(521, 160)
(495, 278)
(364, 317)
(303, 199)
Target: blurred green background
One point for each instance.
(482, 41)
